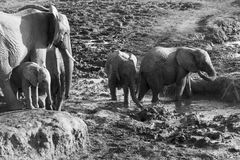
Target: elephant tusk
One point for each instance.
(206, 78)
(70, 56)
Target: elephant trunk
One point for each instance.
(66, 51)
(211, 75)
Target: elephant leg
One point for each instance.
(54, 91)
(34, 91)
(112, 86)
(41, 101)
(49, 99)
(26, 86)
(60, 94)
(9, 95)
(49, 103)
(155, 92)
(126, 95)
(15, 90)
(59, 90)
(143, 88)
(155, 87)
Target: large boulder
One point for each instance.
(40, 134)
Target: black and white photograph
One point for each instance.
(119, 79)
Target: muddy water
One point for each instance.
(202, 128)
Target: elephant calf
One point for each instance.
(121, 71)
(30, 77)
(165, 66)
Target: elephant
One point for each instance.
(164, 66)
(56, 68)
(61, 77)
(29, 77)
(25, 36)
(121, 71)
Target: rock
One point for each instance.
(202, 142)
(190, 120)
(233, 123)
(40, 134)
(233, 149)
(157, 124)
(144, 115)
(214, 135)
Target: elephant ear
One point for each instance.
(30, 73)
(186, 58)
(53, 26)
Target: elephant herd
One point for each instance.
(36, 59)
(159, 67)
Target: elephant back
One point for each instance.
(157, 55)
(128, 56)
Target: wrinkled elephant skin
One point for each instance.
(121, 71)
(29, 77)
(164, 66)
(25, 36)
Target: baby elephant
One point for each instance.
(121, 71)
(28, 77)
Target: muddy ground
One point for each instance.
(205, 127)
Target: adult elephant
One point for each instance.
(60, 71)
(164, 66)
(26, 37)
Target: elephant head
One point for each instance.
(60, 39)
(196, 61)
(36, 75)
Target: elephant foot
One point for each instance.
(31, 107)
